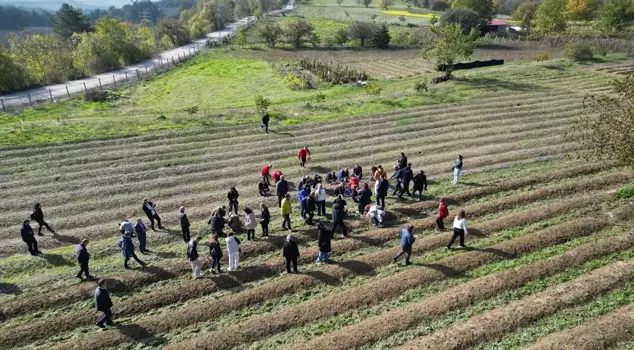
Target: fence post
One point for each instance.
(85, 88)
(126, 77)
(67, 92)
(3, 109)
(173, 63)
(146, 71)
(154, 63)
(50, 94)
(114, 80)
(100, 87)
(30, 102)
(137, 75)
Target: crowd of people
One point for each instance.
(312, 196)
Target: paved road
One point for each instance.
(130, 73)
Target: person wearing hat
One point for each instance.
(103, 304)
(420, 185)
(290, 252)
(184, 221)
(82, 258)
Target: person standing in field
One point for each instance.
(379, 172)
(286, 210)
(233, 249)
(364, 197)
(184, 221)
(103, 304)
(402, 161)
(281, 189)
(150, 210)
(459, 229)
(249, 223)
(82, 258)
(127, 250)
(301, 196)
(457, 168)
(420, 185)
(192, 254)
(443, 212)
(277, 175)
(397, 175)
(406, 177)
(125, 226)
(338, 215)
(320, 197)
(141, 235)
(324, 242)
(232, 196)
(304, 156)
(290, 252)
(357, 171)
(265, 122)
(265, 172)
(265, 218)
(309, 204)
(26, 231)
(215, 254)
(407, 240)
(38, 216)
(381, 187)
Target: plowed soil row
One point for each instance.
(496, 323)
(602, 333)
(385, 288)
(393, 321)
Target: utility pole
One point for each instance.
(147, 19)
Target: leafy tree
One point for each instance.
(381, 37)
(297, 31)
(384, 4)
(257, 12)
(373, 89)
(439, 5)
(261, 104)
(550, 17)
(606, 129)
(433, 20)
(525, 14)
(339, 2)
(12, 75)
(450, 45)
(506, 7)
(270, 33)
(175, 30)
(581, 10)
(366, 3)
(46, 58)
(241, 39)
(361, 32)
(466, 18)
(484, 8)
(69, 20)
(616, 15)
(341, 36)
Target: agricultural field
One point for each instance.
(548, 259)
(350, 10)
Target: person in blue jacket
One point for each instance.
(407, 239)
(103, 303)
(343, 175)
(141, 235)
(303, 194)
(127, 250)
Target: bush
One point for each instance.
(421, 86)
(262, 104)
(626, 192)
(381, 37)
(578, 51)
(295, 82)
(373, 89)
(192, 110)
(439, 5)
(332, 72)
(541, 57)
(467, 18)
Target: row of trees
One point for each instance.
(13, 18)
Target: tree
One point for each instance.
(384, 4)
(506, 7)
(46, 58)
(241, 39)
(361, 31)
(581, 10)
(339, 2)
(525, 14)
(606, 128)
(438, 5)
(366, 3)
(341, 36)
(69, 20)
(550, 17)
(484, 8)
(175, 30)
(616, 15)
(12, 75)
(297, 31)
(466, 18)
(270, 33)
(450, 45)
(381, 37)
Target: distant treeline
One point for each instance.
(14, 18)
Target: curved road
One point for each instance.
(162, 61)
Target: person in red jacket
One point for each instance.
(276, 176)
(443, 212)
(303, 155)
(265, 174)
(354, 183)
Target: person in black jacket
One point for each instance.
(26, 231)
(103, 304)
(338, 214)
(364, 197)
(217, 221)
(38, 216)
(281, 189)
(357, 171)
(402, 161)
(420, 185)
(291, 253)
(323, 242)
(310, 204)
(406, 177)
(381, 191)
(192, 255)
(215, 253)
(331, 178)
(232, 196)
(265, 218)
(263, 188)
(265, 122)
(184, 221)
(83, 257)
(150, 210)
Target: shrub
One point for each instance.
(270, 33)
(578, 51)
(261, 104)
(341, 36)
(439, 5)
(421, 86)
(626, 192)
(381, 37)
(333, 73)
(433, 20)
(320, 98)
(192, 110)
(295, 82)
(541, 57)
(373, 89)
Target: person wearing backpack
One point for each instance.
(192, 254)
(26, 231)
(265, 218)
(323, 242)
(233, 249)
(443, 212)
(38, 216)
(320, 197)
(407, 239)
(215, 254)
(149, 209)
(249, 223)
(290, 252)
(184, 222)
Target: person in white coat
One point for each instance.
(376, 214)
(233, 250)
(459, 229)
(249, 223)
(320, 197)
